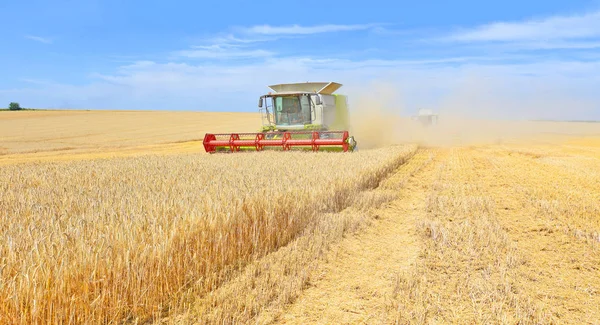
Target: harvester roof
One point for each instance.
(426, 112)
(325, 88)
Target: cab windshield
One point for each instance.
(292, 110)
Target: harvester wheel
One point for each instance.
(352, 143)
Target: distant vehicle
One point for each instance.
(427, 117)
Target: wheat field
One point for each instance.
(120, 217)
(74, 135)
(101, 241)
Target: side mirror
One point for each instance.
(317, 100)
(260, 102)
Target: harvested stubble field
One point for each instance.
(489, 232)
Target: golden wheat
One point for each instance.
(111, 240)
(77, 131)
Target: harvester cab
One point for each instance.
(304, 116)
(304, 106)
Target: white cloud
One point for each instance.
(36, 81)
(225, 48)
(551, 28)
(222, 53)
(44, 40)
(558, 44)
(551, 89)
(230, 46)
(232, 39)
(304, 30)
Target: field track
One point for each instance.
(356, 286)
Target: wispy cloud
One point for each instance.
(35, 81)
(304, 30)
(552, 28)
(226, 47)
(44, 40)
(222, 52)
(233, 39)
(243, 43)
(557, 45)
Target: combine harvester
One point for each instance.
(295, 116)
(427, 117)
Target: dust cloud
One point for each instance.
(374, 116)
(378, 118)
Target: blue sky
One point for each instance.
(509, 59)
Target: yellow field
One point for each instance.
(509, 236)
(478, 225)
(67, 135)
